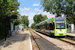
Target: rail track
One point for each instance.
(70, 37)
(62, 43)
(65, 39)
(42, 43)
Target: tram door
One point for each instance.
(51, 26)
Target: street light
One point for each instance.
(12, 11)
(13, 17)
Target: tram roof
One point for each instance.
(50, 20)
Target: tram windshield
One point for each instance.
(60, 23)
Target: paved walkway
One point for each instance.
(71, 34)
(19, 42)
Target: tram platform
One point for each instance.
(71, 34)
(21, 41)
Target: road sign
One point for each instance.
(13, 17)
(10, 17)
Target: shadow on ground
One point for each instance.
(15, 39)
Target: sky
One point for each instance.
(31, 8)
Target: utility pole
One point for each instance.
(25, 21)
(13, 20)
(5, 28)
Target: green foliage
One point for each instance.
(66, 7)
(39, 18)
(6, 6)
(52, 6)
(26, 27)
(18, 20)
(25, 20)
(22, 20)
(33, 25)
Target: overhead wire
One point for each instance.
(40, 8)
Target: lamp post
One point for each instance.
(5, 27)
(13, 19)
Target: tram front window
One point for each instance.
(60, 25)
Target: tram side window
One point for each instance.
(37, 27)
(48, 26)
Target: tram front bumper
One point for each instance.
(60, 34)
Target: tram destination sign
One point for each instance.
(59, 19)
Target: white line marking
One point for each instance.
(30, 41)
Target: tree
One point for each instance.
(66, 7)
(33, 25)
(38, 18)
(18, 20)
(6, 6)
(25, 20)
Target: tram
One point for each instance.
(53, 26)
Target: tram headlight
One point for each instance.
(64, 31)
(56, 32)
(60, 31)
